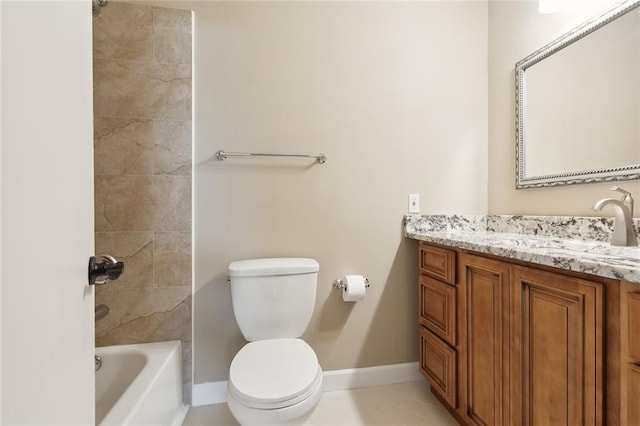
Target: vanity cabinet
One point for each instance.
(529, 345)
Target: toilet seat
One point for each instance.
(274, 373)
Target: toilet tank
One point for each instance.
(273, 298)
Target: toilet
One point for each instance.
(275, 379)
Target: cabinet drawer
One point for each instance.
(438, 263)
(634, 325)
(437, 308)
(438, 365)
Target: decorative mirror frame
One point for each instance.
(585, 176)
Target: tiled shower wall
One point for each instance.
(142, 140)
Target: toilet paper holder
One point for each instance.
(339, 284)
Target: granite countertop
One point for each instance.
(573, 243)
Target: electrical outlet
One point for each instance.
(414, 203)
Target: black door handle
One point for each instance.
(103, 269)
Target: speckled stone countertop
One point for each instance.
(578, 244)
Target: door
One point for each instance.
(46, 178)
(557, 338)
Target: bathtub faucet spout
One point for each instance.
(101, 311)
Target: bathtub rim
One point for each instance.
(159, 355)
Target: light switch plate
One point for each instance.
(414, 203)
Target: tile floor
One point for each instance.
(400, 404)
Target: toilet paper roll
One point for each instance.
(354, 289)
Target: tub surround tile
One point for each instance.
(123, 146)
(187, 356)
(172, 259)
(141, 89)
(177, 19)
(188, 101)
(125, 31)
(142, 109)
(135, 249)
(172, 46)
(172, 36)
(142, 203)
(574, 243)
(124, 203)
(172, 195)
(172, 147)
(139, 315)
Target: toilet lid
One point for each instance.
(274, 371)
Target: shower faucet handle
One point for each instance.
(103, 269)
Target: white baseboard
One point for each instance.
(209, 393)
(180, 415)
(351, 378)
(370, 376)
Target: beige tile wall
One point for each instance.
(142, 139)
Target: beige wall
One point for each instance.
(395, 94)
(516, 29)
(142, 139)
(401, 97)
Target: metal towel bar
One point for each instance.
(222, 155)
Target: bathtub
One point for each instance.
(140, 385)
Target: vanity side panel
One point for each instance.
(462, 339)
(612, 351)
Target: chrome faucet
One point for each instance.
(626, 199)
(623, 232)
(101, 311)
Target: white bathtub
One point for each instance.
(140, 385)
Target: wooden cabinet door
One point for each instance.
(556, 349)
(633, 395)
(633, 328)
(485, 339)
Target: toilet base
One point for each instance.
(295, 414)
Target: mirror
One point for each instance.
(578, 104)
